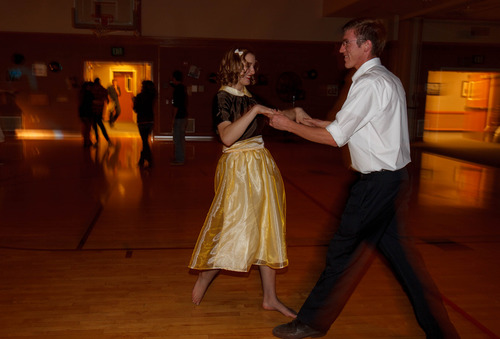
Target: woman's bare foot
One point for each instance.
(280, 307)
(270, 301)
(201, 285)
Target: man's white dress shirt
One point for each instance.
(373, 120)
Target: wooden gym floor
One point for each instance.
(92, 247)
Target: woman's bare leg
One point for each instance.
(271, 301)
(201, 285)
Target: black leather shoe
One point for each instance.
(296, 330)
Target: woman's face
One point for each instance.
(247, 73)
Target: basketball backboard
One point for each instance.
(107, 15)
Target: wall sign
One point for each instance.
(117, 51)
(39, 69)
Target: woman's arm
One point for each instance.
(313, 129)
(230, 132)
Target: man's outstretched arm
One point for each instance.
(314, 131)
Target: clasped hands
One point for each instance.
(282, 120)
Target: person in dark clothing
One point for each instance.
(114, 93)
(98, 104)
(144, 104)
(180, 117)
(85, 111)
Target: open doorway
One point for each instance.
(464, 105)
(129, 77)
(126, 84)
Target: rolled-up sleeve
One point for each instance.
(336, 133)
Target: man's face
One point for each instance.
(354, 55)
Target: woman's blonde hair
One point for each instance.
(231, 66)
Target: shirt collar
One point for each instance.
(365, 67)
(234, 91)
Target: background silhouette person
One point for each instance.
(144, 104)
(98, 105)
(114, 93)
(85, 111)
(179, 103)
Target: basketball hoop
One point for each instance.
(102, 24)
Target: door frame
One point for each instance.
(113, 69)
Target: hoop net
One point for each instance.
(102, 24)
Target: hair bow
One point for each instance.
(237, 51)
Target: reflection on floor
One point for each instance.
(455, 184)
(461, 145)
(92, 247)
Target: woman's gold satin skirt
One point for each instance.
(245, 225)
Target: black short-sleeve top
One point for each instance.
(230, 104)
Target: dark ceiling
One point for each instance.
(463, 10)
